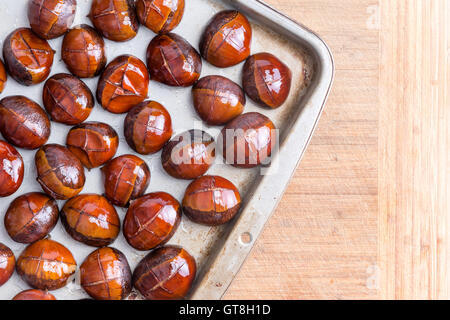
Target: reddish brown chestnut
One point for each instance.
(28, 58)
(218, 100)
(189, 155)
(227, 39)
(93, 143)
(7, 263)
(267, 80)
(173, 61)
(160, 16)
(51, 18)
(3, 76)
(151, 220)
(34, 294)
(165, 273)
(115, 19)
(106, 275)
(91, 219)
(31, 217)
(11, 169)
(148, 126)
(60, 173)
(46, 265)
(83, 51)
(123, 84)
(126, 178)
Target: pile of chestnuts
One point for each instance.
(167, 271)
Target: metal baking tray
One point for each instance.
(219, 251)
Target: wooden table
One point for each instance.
(366, 215)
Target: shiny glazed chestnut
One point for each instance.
(7, 263)
(160, 16)
(31, 217)
(148, 126)
(93, 143)
(83, 51)
(46, 265)
(211, 200)
(23, 122)
(151, 220)
(267, 80)
(248, 140)
(91, 219)
(173, 61)
(60, 173)
(106, 275)
(3, 76)
(11, 169)
(125, 178)
(189, 155)
(218, 100)
(165, 273)
(123, 84)
(115, 19)
(28, 58)
(34, 294)
(51, 18)
(227, 39)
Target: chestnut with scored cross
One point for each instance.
(11, 169)
(160, 16)
(34, 294)
(7, 263)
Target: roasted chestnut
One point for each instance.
(7, 263)
(189, 155)
(115, 19)
(173, 61)
(28, 58)
(31, 217)
(211, 200)
(227, 39)
(51, 18)
(60, 173)
(46, 265)
(151, 220)
(11, 169)
(160, 16)
(123, 84)
(34, 294)
(266, 80)
(148, 126)
(3, 76)
(83, 51)
(67, 99)
(91, 219)
(23, 122)
(218, 100)
(93, 143)
(248, 140)
(165, 273)
(106, 275)
(126, 178)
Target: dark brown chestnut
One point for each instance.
(218, 100)
(31, 217)
(7, 263)
(91, 219)
(34, 294)
(11, 169)
(123, 84)
(189, 155)
(227, 39)
(211, 200)
(125, 178)
(93, 143)
(83, 51)
(3, 76)
(148, 126)
(28, 58)
(173, 61)
(151, 220)
(115, 19)
(266, 80)
(248, 140)
(51, 18)
(166, 273)
(106, 275)
(60, 173)
(160, 16)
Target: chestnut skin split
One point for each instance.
(7, 263)
(160, 16)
